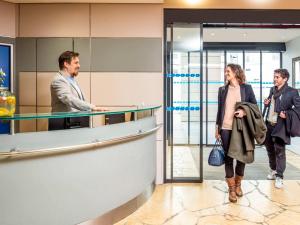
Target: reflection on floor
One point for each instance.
(186, 164)
(206, 203)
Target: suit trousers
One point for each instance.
(229, 170)
(276, 152)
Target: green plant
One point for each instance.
(2, 76)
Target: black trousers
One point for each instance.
(229, 170)
(276, 152)
(68, 123)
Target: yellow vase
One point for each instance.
(7, 102)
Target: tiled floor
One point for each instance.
(207, 204)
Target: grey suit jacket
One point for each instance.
(65, 97)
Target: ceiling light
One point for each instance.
(178, 37)
(193, 1)
(212, 34)
(260, 1)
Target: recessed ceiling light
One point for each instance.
(245, 34)
(212, 34)
(178, 37)
(260, 1)
(193, 1)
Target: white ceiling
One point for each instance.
(188, 38)
(85, 1)
(236, 34)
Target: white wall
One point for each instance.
(292, 51)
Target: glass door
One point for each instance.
(183, 100)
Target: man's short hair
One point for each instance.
(284, 73)
(66, 56)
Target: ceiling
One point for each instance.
(188, 38)
(85, 1)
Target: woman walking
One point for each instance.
(234, 91)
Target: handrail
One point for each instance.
(14, 154)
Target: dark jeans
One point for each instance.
(276, 152)
(229, 170)
(68, 123)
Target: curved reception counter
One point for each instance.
(87, 176)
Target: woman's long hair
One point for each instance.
(238, 71)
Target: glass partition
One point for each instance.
(116, 110)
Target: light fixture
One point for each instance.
(192, 1)
(260, 1)
(178, 37)
(212, 34)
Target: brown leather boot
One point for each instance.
(238, 188)
(231, 189)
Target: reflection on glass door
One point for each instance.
(296, 73)
(214, 68)
(252, 72)
(183, 101)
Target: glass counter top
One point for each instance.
(114, 110)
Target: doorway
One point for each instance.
(198, 45)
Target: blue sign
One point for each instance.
(5, 66)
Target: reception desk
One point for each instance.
(95, 175)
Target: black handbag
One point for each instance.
(216, 156)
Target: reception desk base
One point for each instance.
(76, 187)
(124, 210)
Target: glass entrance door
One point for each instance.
(183, 100)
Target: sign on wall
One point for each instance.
(5, 67)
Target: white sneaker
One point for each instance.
(279, 183)
(271, 175)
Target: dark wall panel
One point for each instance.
(82, 46)
(48, 51)
(126, 55)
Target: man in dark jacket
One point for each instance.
(281, 101)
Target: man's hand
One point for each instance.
(267, 101)
(99, 109)
(282, 115)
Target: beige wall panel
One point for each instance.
(8, 25)
(98, 121)
(127, 20)
(27, 125)
(42, 124)
(127, 88)
(27, 88)
(54, 20)
(234, 4)
(43, 88)
(84, 80)
(128, 116)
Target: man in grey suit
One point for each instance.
(66, 95)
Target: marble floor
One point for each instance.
(207, 204)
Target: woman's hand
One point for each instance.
(240, 113)
(217, 134)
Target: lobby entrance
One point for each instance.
(196, 54)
